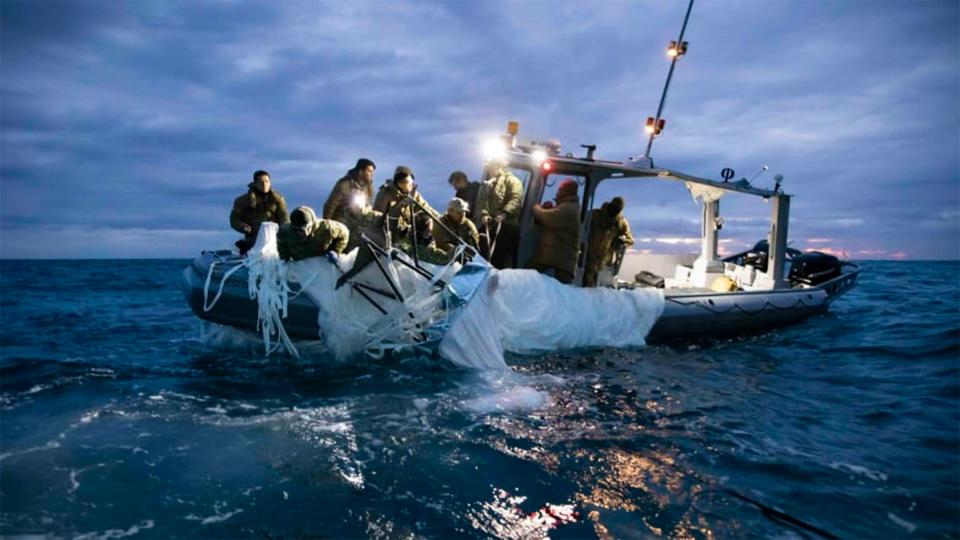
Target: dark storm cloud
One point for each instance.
(137, 123)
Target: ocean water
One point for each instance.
(122, 415)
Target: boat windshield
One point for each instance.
(553, 181)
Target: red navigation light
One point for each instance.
(546, 166)
(655, 126)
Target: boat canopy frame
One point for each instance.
(596, 171)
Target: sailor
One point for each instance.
(467, 191)
(260, 203)
(306, 236)
(393, 202)
(427, 249)
(609, 233)
(356, 184)
(560, 235)
(456, 220)
(498, 205)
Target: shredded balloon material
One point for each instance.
(398, 308)
(267, 284)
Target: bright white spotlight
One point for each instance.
(495, 150)
(359, 201)
(539, 156)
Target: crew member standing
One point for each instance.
(498, 205)
(559, 244)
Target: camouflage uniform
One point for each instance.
(466, 230)
(342, 195)
(327, 235)
(607, 233)
(390, 202)
(501, 194)
(253, 208)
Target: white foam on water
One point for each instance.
(218, 514)
(860, 470)
(75, 476)
(519, 398)
(907, 526)
(117, 533)
(505, 392)
(49, 446)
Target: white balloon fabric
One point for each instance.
(523, 311)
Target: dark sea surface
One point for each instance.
(124, 416)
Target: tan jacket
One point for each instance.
(502, 194)
(327, 235)
(253, 208)
(560, 234)
(342, 195)
(606, 235)
(390, 202)
(466, 230)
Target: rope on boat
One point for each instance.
(223, 280)
(267, 284)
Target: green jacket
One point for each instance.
(253, 208)
(559, 235)
(607, 233)
(466, 230)
(401, 215)
(327, 235)
(342, 195)
(501, 194)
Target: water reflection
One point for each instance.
(503, 517)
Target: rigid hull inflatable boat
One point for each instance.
(703, 294)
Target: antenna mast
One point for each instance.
(675, 50)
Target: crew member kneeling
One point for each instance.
(306, 236)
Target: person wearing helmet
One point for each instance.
(559, 244)
(392, 200)
(306, 236)
(355, 187)
(609, 233)
(498, 208)
(456, 221)
(260, 203)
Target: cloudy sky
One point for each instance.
(129, 127)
